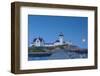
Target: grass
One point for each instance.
(36, 49)
(45, 49)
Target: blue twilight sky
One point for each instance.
(49, 27)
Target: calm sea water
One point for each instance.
(61, 54)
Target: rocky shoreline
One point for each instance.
(47, 51)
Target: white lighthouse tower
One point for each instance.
(61, 38)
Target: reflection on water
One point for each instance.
(61, 54)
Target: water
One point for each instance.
(61, 54)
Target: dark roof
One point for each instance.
(57, 41)
(41, 39)
(64, 42)
(61, 34)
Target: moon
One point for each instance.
(83, 40)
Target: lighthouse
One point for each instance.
(61, 38)
(38, 42)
